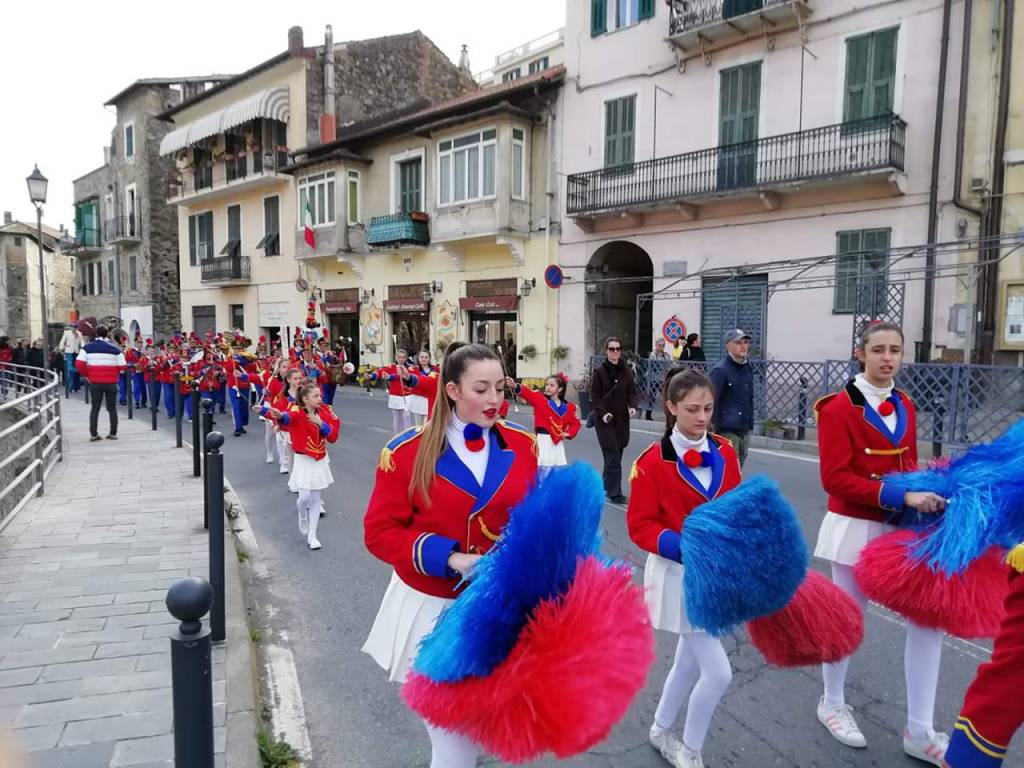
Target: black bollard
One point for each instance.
(196, 419)
(801, 410)
(207, 404)
(179, 405)
(215, 503)
(188, 600)
(128, 388)
(154, 403)
(938, 427)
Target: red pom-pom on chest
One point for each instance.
(886, 408)
(692, 459)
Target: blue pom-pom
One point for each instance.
(984, 492)
(744, 556)
(548, 532)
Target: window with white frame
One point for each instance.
(355, 214)
(129, 141)
(539, 65)
(518, 163)
(317, 193)
(467, 167)
(512, 74)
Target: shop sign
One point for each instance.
(489, 288)
(340, 307)
(412, 291)
(274, 314)
(488, 302)
(407, 305)
(335, 295)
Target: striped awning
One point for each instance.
(272, 104)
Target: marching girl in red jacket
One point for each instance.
(284, 398)
(311, 425)
(686, 468)
(398, 393)
(270, 385)
(420, 405)
(866, 431)
(554, 420)
(441, 499)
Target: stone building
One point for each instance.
(238, 210)
(126, 237)
(20, 315)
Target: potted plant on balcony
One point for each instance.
(559, 352)
(529, 352)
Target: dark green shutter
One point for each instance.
(646, 9)
(619, 131)
(857, 54)
(883, 71)
(598, 17)
(870, 75)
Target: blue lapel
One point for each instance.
(872, 417)
(499, 462)
(717, 472)
(560, 410)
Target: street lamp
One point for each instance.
(37, 194)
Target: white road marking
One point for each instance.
(287, 713)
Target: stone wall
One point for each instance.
(8, 445)
(17, 322)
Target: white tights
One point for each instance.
(418, 419)
(309, 501)
(921, 657)
(700, 659)
(269, 438)
(400, 420)
(449, 750)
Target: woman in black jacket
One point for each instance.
(34, 355)
(613, 398)
(693, 351)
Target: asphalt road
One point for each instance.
(324, 602)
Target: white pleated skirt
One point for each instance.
(417, 405)
(549, 454)
(841, 538)
(397, 402)
(405, 617)
(308, 474)
(663, 593)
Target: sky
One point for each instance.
(52, 109)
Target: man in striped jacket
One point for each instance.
(99, 362)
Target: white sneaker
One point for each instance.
(840, 723)
(304, 522)
(314, 542)
(323, 510)
(283, 470)
(931, 749)
(270, 459)
(672, 749)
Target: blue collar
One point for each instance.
(872, 417)
(717, 471)
(499, 462)
(559, 409)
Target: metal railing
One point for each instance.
(687, 15)
(126, 226)
(225, 268)
(31, 433)
(397, 229)
(209, 175)
(957, 405)
(833, 150)
(86, 237)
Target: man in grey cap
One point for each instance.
(734, 393)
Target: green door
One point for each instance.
(739, 106)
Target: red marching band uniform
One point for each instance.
(307, 438)
(396, 386)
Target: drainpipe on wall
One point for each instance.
(925, 352)
(988, 289)
(328, 120)
(961, 115)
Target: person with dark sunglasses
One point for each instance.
(613, 397)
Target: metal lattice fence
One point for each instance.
(957, 405)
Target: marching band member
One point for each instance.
(441, 498)
(152, 387)
(122, 377)
(262, 366)
(137, 369)
(273, 386)
(238, 381)
(554, 419)
(165, 374)
(397, 391)
(329, 361)
(866, 431)
(686, 468)
(311, 424)
(282, 402)
(420, 404)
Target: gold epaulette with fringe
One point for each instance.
(1015, 558)
(387, 461)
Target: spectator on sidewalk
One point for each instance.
(656, 370)
(70, 345)
(613, 398)
(6, 350)
(34, 356)
(100, 362)
(693, 352)
(734, 388)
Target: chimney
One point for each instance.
(464, 60)
(106, 155)
(328, 120)
(7, 217)
(295, 40)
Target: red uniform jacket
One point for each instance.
(857, 451)
(396, 386)
(134, 358)
(207, 375)
(558, 422)
(424, 384)
(307, 438)
(417, 537)
(663, 491)
(993, 707)
(312, 371)
(238, 376)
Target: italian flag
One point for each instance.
(307, 222)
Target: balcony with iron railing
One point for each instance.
(210, 179)
(85, 240)
(125, 228)
(225, 270)
(399, 230)
(775, 164)
(700, 23)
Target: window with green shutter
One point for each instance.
(862, 265)
(646, 9)
(598, 17)
(619, 131)
(870, 75)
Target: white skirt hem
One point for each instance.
(549, 454)
(663, 593)
(308, 474)
(841, 538)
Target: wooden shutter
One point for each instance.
(739, 104)
(883, 72)
(646, 9)
(847, 269)
(611, 133)
(619, 131)
(855, 106)
(598, 17)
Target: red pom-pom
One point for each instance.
(968, 605)
(570, 678)
(886, 408)
(692, 459)
(821, 624)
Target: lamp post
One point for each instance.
(37, 194)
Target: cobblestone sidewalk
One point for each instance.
(84, 570)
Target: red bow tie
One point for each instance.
(694, 459)
(888, 406)
(474, 436)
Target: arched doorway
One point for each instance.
(617, 272)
